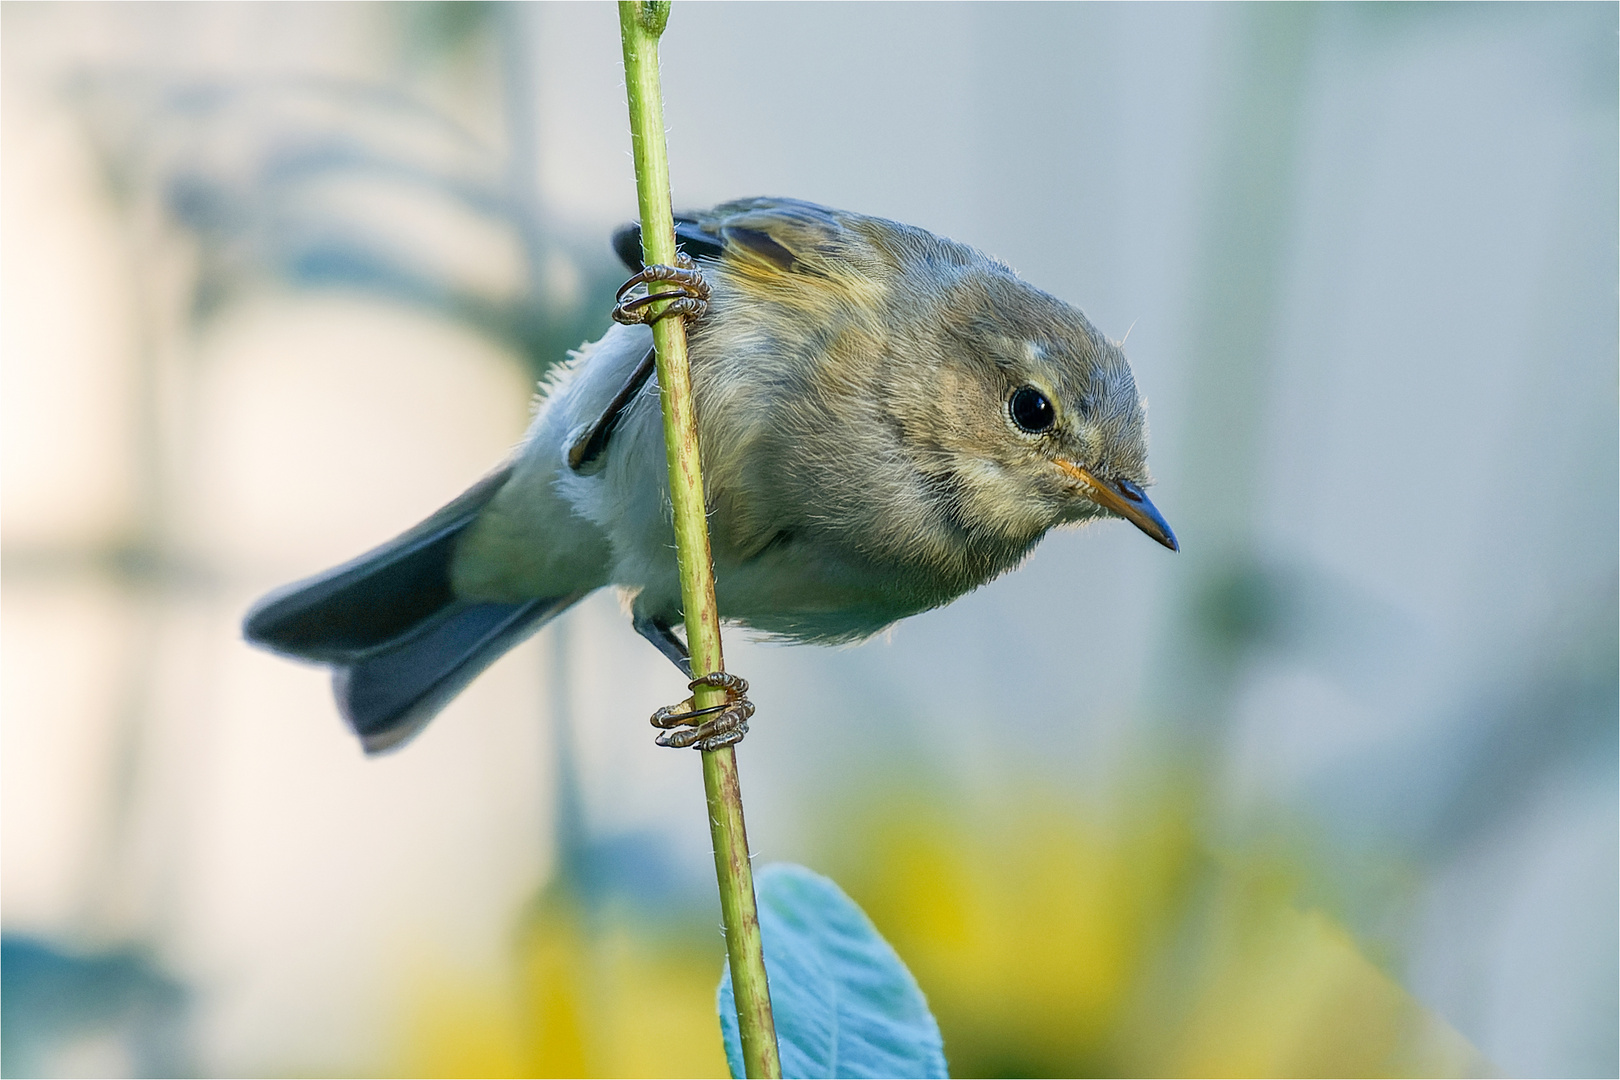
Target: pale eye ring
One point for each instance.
(1030, 410)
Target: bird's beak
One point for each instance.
(1125, 499)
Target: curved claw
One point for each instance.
(690, 296)
(727, 723)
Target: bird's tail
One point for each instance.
(400, 642)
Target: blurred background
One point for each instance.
(1332, 792)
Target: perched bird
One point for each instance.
(887, 419)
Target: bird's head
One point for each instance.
(1038, 413)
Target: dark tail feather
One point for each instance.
(391, 694)
(369, 602)
(401, 643)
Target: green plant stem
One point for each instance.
(641, 23)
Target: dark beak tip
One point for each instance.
(1155, 526)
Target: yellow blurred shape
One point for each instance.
(460, 1024)
(1284, 992)
(1053, 941)
(1026, 932)
(661, 1019)
(557, 970)
(606, 997)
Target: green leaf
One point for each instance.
(844, 1003)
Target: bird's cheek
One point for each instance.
(1047, 505)
(1078, 507)
(1003, 500)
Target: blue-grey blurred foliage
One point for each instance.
(51, 1000)
(303, 182)
(843, 1002)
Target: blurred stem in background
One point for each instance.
(1221, 608)
(1247, 224)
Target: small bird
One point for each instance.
(888, 419)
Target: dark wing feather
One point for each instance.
(689, 237)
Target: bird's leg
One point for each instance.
(727, 723)
(689, 295)
(665, 640)
(594, 439)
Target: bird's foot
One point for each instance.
(689, 297)
(727, 723)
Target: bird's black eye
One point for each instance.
(1030, 410)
